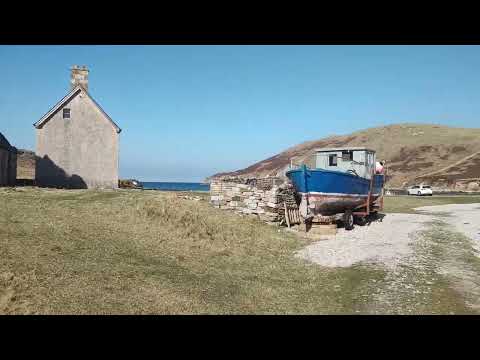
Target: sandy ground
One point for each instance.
(389, 242)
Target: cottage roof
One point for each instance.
(75, 91)
(351, 148)
(4, 144)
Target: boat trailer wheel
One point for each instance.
(361, 220)
(348, 220)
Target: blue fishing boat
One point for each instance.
(337, 181)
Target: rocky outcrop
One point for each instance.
(130, 184)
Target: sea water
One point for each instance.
(176, 186)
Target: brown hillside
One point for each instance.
(25, 165)
(411, 151)
(464, 173)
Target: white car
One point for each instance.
(420, 190)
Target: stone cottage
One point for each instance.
(8, 163)
(77, 142)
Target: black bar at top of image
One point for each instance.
(233, 38)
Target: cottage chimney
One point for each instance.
(79, 76)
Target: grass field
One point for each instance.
(149, 252)
(406, 204)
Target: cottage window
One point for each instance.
(66, 113)
(332, 160)
(347, 155)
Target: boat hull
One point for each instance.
(330, 204)
(327, 192)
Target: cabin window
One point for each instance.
(347, 155)
(332, 160)
(66, 113)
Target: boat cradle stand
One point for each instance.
(358, 215)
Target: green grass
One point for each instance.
(451, 254)
(124, 252)
(151, 252)
(406, 204)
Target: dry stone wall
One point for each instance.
(264, 197)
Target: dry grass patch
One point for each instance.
(151, 252)
(123, 252)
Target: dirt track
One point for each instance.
(429, 258)
(390, 239)
(465, 218)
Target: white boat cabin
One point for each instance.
(355, 160)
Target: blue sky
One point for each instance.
(190, 111)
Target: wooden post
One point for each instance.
(368, 203)
(385, 173)
(372, 176)
(286, 214)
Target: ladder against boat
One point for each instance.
(292, 215)
(317, 225)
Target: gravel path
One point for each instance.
(415, 261)
(464, 217)
(389, 241)
(386, 242)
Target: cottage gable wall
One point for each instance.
(81, 151)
